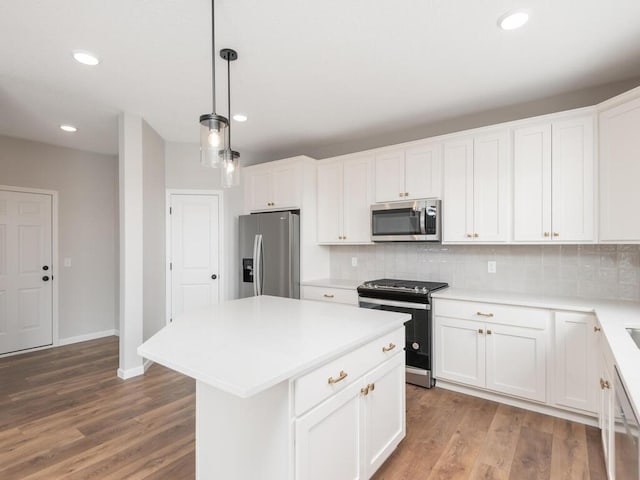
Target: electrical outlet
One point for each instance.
(491, 266)
(354, 261)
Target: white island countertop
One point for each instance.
(246, 346)
(614, 317)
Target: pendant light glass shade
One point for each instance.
(230, 168)
(213, 139)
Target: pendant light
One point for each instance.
(213, 127)
(230, 158)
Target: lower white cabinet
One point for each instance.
(576, 340)
(606, 419)
(505, 355)
(329, 294)
(349, 435)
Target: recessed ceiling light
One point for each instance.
(513, 20)
(86, 58)
(240, 117)
(68, 128)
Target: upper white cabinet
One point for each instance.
(344, 197)
(273, 186)
(409, 174)
(554, 181)
(620, 173)
(476, 188)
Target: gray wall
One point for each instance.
(87, 184)
(183, 171)
(588, 271)
(153, 233)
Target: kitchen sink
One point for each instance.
(635, 335)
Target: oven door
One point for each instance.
(627, 445)
(417, 336)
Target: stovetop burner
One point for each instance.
(405, 286)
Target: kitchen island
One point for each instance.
(289, 389)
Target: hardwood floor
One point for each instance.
(64, 414)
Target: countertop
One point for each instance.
(333, 283)
(613, 315)
(246, 346)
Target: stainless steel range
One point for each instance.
(414, 298)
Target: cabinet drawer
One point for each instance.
(526, 317)
(314, 387)
(335, 295)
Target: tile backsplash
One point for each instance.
(589, 271)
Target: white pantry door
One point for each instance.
(26, 304)
(195, 251)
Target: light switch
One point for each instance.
(491, 266)
(67, 262)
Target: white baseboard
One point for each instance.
(584, 418)
(131, 372)
(146, 364)
(88, 336)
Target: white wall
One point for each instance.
(183, 170)
(88, 226)
(153, 237)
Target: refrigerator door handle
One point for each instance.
(257, 265)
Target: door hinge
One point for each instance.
(170, 266)
(170, 210)
(170, 320)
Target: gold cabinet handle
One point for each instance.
(596, 329)
(484, 314)
(602, 383)
(468, 235)
(401, 194)
(341, 377)
(480, 331)
(389, 348)
(546, 234)
(406, 194)
(489, 332)
(371, 387)
(327, 295)
(556, 234)
(606, 384)
(475, 235)
(365, 390)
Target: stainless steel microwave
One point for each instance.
(417, 221)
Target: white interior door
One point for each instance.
(26, 304)
(195, 251)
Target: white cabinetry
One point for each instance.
(409, 174)
(554, 181)
(328, 294)
(344, 197)
(351, 433)
(607, 407)
(575, 361)
(476, 188)
(274, 186)
(620, 173)
(495, 347)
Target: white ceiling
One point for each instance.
(309, 72)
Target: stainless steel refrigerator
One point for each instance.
(270, 254)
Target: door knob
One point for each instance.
(45, 268)
(45, 279)
(214, 276)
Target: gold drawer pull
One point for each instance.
(371, 387)
(596, 329)
(342, 376)
(489, 332)
(602, 384)
(480, 331)
(556, 234)
(484, 314)
(401, 194)
(326, 295)
(606, 384)
(468, 235)
(365, 390)
(546, 234)
(389, 348)
(475, 235)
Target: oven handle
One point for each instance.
(395, 303)
(423, 221)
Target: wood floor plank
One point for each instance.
(65, 415)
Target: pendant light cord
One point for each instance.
(213, 56)
(229, 97)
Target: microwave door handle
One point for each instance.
(423, 221)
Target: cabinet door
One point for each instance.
(423, 171)
(287, 183)
(330, 188)
(389, 181)
(619, 172)
(329, 438)
(532, 184)
(491, 187)
(258, 185)
(606, 415)
(516, 361)
(575, 362)
(384, 412)
(572, 172)
(459, 346)
(457, 200)
(357, 195)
